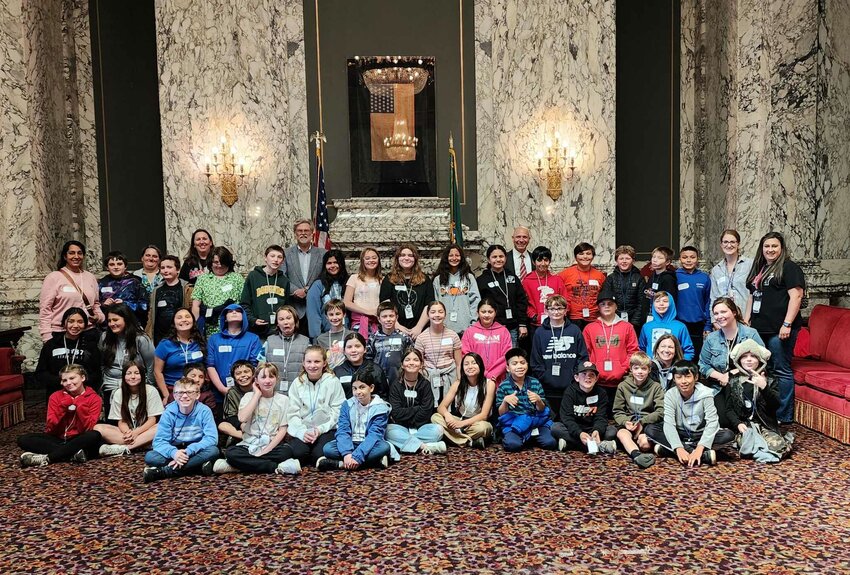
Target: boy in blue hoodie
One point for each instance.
(694, 301)
(556, 348)
(232, 343)
(360, 430)
(186, 437)
(664, 321)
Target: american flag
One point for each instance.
(321, 225)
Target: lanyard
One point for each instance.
(584, 287)
(185, 350)
(313, 400)
(269, 291)
(499, 286)
(68, 360)
(608, 339)
(554, 346)
(429, 349)
(730, 277)
(410, 400)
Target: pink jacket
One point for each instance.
(491, 344)
(58, 294)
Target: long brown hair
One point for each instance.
(396, 274)
(361, 272)
(141, 414)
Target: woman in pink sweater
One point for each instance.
(70, 286)
(489, 339)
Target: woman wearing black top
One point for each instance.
(505, 290)
(776, 287)
(198, 259)
(408, 288)
(72, 345)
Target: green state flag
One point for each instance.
(456, 228)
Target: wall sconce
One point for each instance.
(556, 159)
(226, 171)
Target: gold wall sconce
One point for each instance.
(226, 171)
(551, 165)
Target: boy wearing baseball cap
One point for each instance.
(584, 424)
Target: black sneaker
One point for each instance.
(151, 474)
(644, 460)
(79, 457)
(325, 464)
(709, 457)
(207, 468)
(479, 443)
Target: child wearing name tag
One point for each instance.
(408, 288)
(266, 289)
(230, 427)
(120, 286)
(184, 345)
(263, 422)
(385, 346)
(166, 298)
(693, 304)
(666, 353)
(440, 346)
(122, 342)
(455, 286)
(363, 420)
(488, 339)
(626, 283)
(464, 412)
(664, 322)
(286, 347)
(332, 340)
(412, 402)
(330, 285)
(185, 437)
(505, 290)
(71, 345)
(660, 275)
(524, 416)
(69, 433)
(355, 360)
(232, 343)
(639, 402)
(540, 286)
(584, 423)
(315, 398)
(135, 409)
(582, 282)
(216, 291)
(557, 348)
(363, 293)
(691, 431)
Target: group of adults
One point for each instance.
(103, 323)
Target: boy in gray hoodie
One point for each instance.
(691, 430)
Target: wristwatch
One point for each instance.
(786, 324)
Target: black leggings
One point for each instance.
(57, 449)
(239, 457)
(308, 453)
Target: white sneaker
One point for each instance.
(608, 447)
(385, 462)
(289, 467)
(562, 445)
(435, 448)
(29, 459)
(222, 466)
(108, 450)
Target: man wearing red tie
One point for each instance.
(519, 259)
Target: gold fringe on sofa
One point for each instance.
(822, 421)
(11, 413)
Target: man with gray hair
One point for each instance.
(302, 264)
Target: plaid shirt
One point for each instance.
(525, 406)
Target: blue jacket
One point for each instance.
(197, 429)
(378, 415)
(715, 354)
(662, 324)
(224, 349)
(316, 319)
(546, 351)
(523, 424)
(694, 301)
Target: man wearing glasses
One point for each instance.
(186, 437)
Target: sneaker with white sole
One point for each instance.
(29, 459)
(434, 448)
(79, 457)
(151, 474)
(289, 467)
(609, 446)
(108, 450)
(327, 464)
(385, 462)
(222, 466)
(562, 445)
(709, 457)
(479, 443)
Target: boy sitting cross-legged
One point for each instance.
(523, 413)
(584, 424)
(638, 403)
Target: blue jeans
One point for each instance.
(514, 336)
(156, 459)
(407, 442)
(513, 442)
(779, 365)
(380, 450)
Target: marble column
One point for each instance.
(236, 69)
(543, 67)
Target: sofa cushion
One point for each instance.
(11, 382)
(834, 383)
(830, 330)
(837, 405)
(802, 367)
(803, 345)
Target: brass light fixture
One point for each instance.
(555, 158)
(226, 171)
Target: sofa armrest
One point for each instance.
(6, 363)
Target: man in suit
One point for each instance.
(515, 257)
(302, 264)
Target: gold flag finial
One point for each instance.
(451, 141)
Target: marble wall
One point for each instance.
(541, 68)
(234, 68)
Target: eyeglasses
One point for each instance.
(185, 393)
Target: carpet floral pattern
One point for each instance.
(468, 512)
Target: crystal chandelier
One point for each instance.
(378, 78)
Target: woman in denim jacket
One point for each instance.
(714, 358)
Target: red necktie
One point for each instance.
(523, 271)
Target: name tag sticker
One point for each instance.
(68, 289)
(161, 303)
(684, 286)
(284, 386)
(345, 379)
(272, 300)
(278, 352)
(226, 287)
(509, 314)
(556, 369)
(591, 399)
(410, 393)
(401, 288)
(492, 284)
(60, 351)
(229, 382)
(446, 341)
(655, 285)
(535, 432)
(624, 315)
(585, 312)
(197, 354)
(593, 283)
(225, 349)
(722, 280)
(453, 316)
(209, 312)
(394, 341)
(636, 400)
(756, 306)
(106, 289)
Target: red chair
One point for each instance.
(11, 388)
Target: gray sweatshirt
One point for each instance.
(461, 297)
(695, 415)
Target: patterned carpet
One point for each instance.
(469, 512)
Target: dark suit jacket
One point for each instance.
(292, 268)
(509, 263)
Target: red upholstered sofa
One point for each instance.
(822, 373)
(11, 388)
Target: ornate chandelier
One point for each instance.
(378, 78)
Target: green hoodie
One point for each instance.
(259, 287)
(647, 401)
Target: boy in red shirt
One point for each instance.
(610, 342)
(582, 282)
(539, 286)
